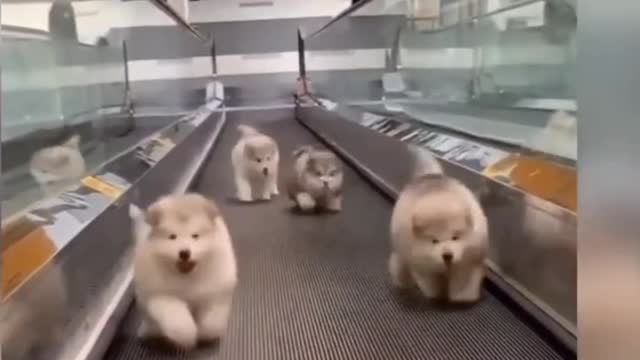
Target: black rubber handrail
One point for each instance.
(338, 17)
(171, 12)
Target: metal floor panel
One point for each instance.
(316, 287)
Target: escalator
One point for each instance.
(316, 287)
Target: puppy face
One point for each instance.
(261, 155)
(323, 172)
(183, 231)
(441, 228)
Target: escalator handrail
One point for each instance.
(338, 17)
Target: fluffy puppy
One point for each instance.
(316, 180)
(184, 270)
(439, 237)
(58, 166)
(255, 161)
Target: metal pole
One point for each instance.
(125, 56)
(302, 67)
(214, 62)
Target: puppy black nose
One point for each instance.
(265, 171)
(325, 183)
(184, 255)
(447, 257)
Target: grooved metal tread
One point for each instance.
(316, 287)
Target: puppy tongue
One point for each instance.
(185, 267)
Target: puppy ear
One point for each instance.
(135, 212)
(211, 209)
(302, 150)
(248, 151)
(418, 227)
(153, 214)
(73, 142)
(468, 220)
(312, 163)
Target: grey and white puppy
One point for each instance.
(58, 166)
(316, 180)
(255, 160)
(439, 236)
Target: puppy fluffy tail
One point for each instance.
(424, 162)
(140, 227)
(247, 130)
(562, 120)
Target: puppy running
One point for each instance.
(439, 236)
(185, 269)
(255, 161)
(316, 181)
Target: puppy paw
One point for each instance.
(400, 276)
(266, 196)
(243, 189)
(183, 334)
(212, 323)
(305, 202)
(146, 330)
(465, 285)
(174, 320)
(244, 197)
(334, 204)
(430, 285)
(464, 299)
(275, 191)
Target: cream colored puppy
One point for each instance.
(185, 270)
(255, 161)
(439, 237)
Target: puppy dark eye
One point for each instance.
(173, 237)
(455, 237)
(435, 241)
(259, 160)
(195, 236)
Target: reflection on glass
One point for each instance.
(506, 75)
(56, 94)
(34, 318)
(526, 53)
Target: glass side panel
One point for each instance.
(507, 75)
(347, 60)
(502, 71)
(525, 54)
(66, 114)
(53, 90)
